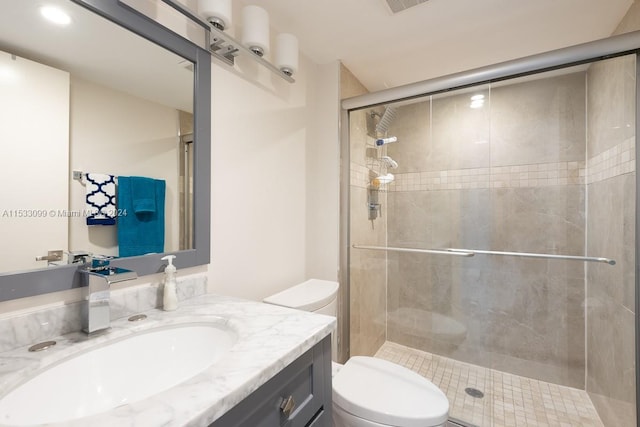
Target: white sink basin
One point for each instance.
(118, 373)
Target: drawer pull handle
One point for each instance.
(287, 405)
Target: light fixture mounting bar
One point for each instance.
(226, 48)
(223, 46)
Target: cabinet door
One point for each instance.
(307, 381)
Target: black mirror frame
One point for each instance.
(60, 278)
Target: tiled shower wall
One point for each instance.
(510, 177)
(611, 230)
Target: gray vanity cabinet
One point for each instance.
(298, 396)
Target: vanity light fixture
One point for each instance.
(217, 12)
(56, 15)
(254, 35)
(287, 53)
(255, 29)
(255, 44)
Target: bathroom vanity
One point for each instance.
(300, 395)
(273, 370)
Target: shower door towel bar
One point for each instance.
(472, 252)
(422, 251)
(533, 255)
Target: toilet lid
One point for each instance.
(308, 296)
(386, 393)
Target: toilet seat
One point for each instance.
(389, 394)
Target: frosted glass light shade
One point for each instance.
(217, 12)
(255, 29)
(287, 53)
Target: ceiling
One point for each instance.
(437, 37)
(383, 49)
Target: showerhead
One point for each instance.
(385, 121)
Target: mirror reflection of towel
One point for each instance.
(100, 199)
(143, 195)
(141, 215)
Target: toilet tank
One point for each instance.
(319, 296)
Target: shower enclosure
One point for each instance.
(492, 247)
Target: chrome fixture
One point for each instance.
(98, 276)
(79, 257)
(373, 204)
(472, 252)
(413, 250)
(219, 13)
(225, 48)
(51, 256)
(42, 346)
(137, 317)
(536, 255)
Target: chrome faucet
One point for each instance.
(97, 276)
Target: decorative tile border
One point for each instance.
(613, 162)
(534, 175)
(616, 161)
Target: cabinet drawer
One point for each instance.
(295, 397)
(320, 420)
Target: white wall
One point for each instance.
(263, 129)
(323, 176)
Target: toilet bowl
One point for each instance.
(369, 392)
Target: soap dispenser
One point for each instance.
(170, 300)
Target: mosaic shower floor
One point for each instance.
(509, 400)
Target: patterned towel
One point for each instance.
(101, 199)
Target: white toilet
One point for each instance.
(369, 392)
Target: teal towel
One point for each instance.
(143, 194)
(141, 215)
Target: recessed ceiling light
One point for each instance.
(55, 15)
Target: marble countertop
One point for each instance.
(269, 338)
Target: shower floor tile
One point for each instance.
(509, 400)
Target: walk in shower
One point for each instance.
(492, 246)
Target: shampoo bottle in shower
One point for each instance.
(382, 141)
(170, 300)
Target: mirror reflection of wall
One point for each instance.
(79, 98)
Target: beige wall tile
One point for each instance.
(610, 300)
(539, 121)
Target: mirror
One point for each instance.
(87, 108)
